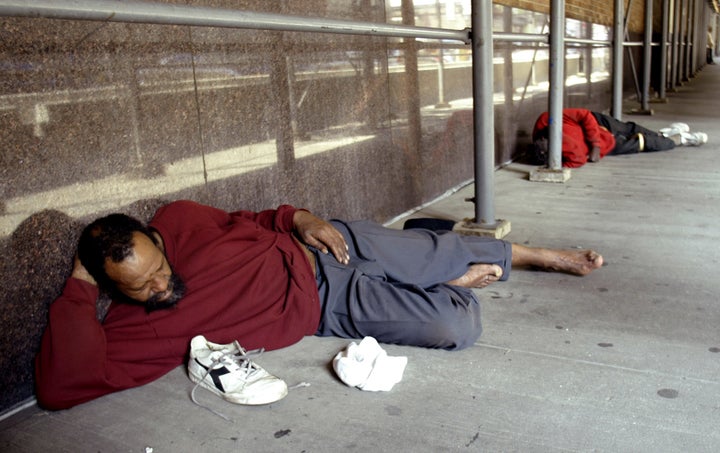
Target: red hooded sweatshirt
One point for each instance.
(580, 132)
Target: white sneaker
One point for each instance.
(674, 129)
(227, 371)
(693, 138)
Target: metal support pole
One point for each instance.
(557, 82)
(694, 41)
(554, 172)
(647, 56)
(483, 112)
(682, 53)
(618, 48)
(663, 49)
(691, 39)
(675, 49)
(631, 59)
(508, 118)
(441, 64)
(441, 104)
(587, 53)
(688, 40)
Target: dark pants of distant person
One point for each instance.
(626, 139)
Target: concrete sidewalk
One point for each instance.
(623, 360)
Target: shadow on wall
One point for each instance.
(38, 260)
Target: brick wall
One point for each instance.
(598, 12)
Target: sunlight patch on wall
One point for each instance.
(112, 192)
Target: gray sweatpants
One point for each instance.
(393, 288)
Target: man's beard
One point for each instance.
(175, 284)
(177, 288)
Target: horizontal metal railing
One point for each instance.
(175, 14)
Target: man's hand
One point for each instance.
(320, 234)
(81, 273)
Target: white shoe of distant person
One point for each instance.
(681, 135)
(693, 138)
(674, 129)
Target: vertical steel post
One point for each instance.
(693, 27)
(688, 40)
(588, 55)
(557, 82)
(618, 52)
(663, 49)
(507, 128)
(483, 111)
(441, 63)
(647, 55)
(682, 48)
(675, 52)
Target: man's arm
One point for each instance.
(71, 366)
(310, 229)
(586, 120)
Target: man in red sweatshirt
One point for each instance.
(589, 136)
(265, 279)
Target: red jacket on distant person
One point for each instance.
(246, 278)
(580, 132)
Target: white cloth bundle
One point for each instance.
(368, 367)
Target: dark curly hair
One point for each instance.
(108, 237)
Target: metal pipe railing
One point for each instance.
(521, 37)
(595, 42)
(174, 14)
(545, 39)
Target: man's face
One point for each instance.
(146, 277)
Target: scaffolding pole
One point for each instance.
(664, 49)
(618, 49)
(483, 112)
(174, 14)
(557, 82)
(647, 57)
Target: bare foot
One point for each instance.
(576, 262)
(479, 276)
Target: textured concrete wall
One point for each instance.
(99, 117)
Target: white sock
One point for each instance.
(368, 367)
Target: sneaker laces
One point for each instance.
(235, 361)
